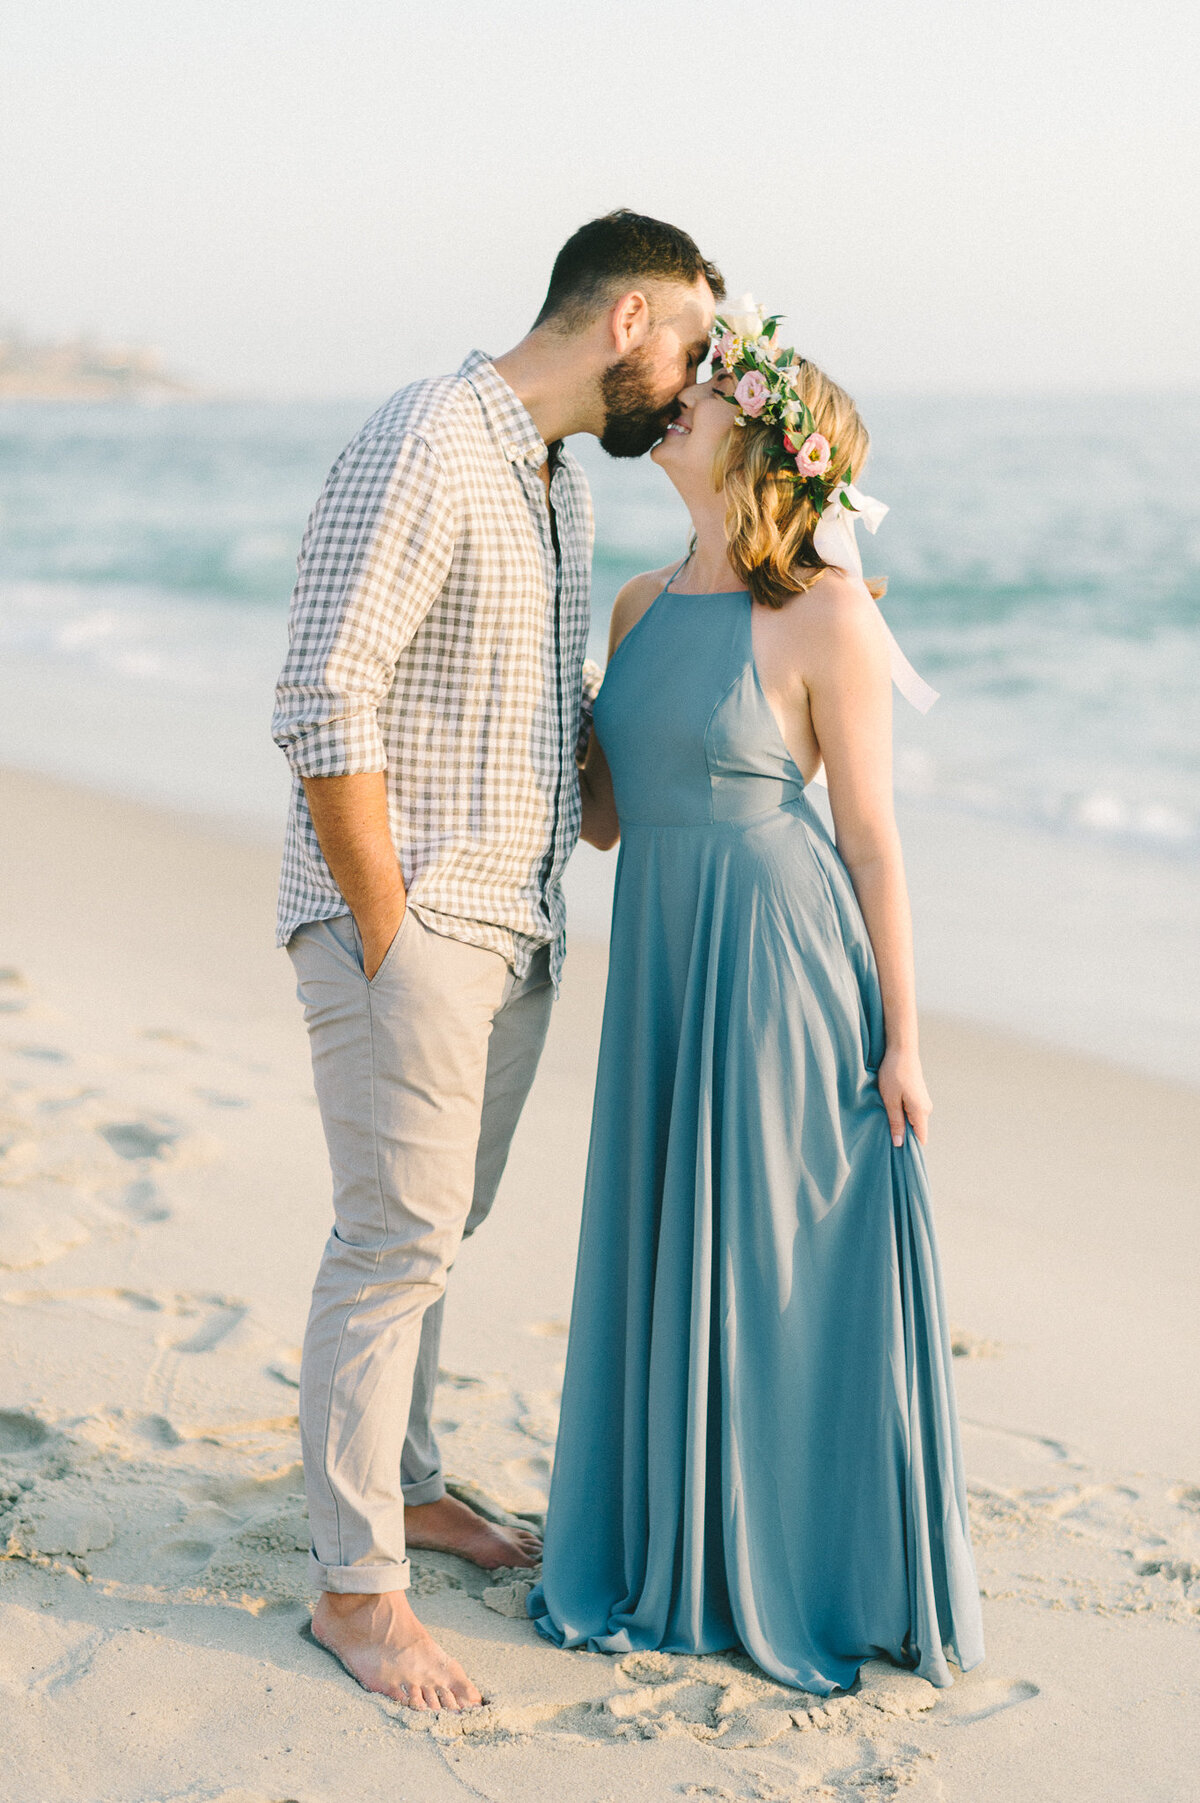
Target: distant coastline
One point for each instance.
(78, 369)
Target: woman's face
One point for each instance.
(690, 443)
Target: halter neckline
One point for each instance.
(708, 594)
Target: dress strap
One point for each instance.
(682, 565)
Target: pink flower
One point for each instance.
(726, 348)
(813, 455)
(751, 394)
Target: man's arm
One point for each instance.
(375, 557)
(350, 814)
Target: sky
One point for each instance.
(942, 196)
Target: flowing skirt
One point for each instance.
(758, 1444)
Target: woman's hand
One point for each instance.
(902, 1086)
(599, 824)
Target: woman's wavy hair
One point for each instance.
(769, 519)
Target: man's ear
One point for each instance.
(629, 322)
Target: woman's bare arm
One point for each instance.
(848, 677)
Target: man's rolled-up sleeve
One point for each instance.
(375, 556)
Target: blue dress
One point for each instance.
(758, 1445)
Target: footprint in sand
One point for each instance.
(1092, 1506)
(1038, 1448)
(224, 1317)
(155, 1430)
(257, 1563)
(142, 1201)
(1175, 1571)
(213, 1377)
(1009, 1461)
(976, 1700)
(179, 1560)
(140, 1139)
(64, 1182)
(728, 1703)
(43, 1054)
(38, 1653)
(238, 1494)
(20, 1433)
(13, 991)
(1186, 1496)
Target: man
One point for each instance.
(430, 707)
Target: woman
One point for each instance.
(758, 1444)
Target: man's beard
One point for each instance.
(634, 419)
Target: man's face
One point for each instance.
(640, 390)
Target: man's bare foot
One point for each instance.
(449, 1526)
(381, 1643)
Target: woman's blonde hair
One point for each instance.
(769, 518)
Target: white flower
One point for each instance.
(744, 317)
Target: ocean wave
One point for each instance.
(152, 552)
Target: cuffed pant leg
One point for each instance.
(400, 1067)
(518, 1035)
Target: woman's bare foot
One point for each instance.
(381, 1643)
(449, 1526)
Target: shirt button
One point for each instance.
(513, 452)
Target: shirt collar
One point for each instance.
(509, 419)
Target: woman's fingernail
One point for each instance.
(897, 1139)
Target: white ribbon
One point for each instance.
(834, 543)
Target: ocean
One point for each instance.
(1043, 557)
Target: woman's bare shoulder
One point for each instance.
(633, 600)
(837, 618)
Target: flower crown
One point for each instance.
(746, 348)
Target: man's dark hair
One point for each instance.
(608, 255)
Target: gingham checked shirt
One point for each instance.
(436, 633)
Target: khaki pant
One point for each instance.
(421, 1075)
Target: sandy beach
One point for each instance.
(163, 1201)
